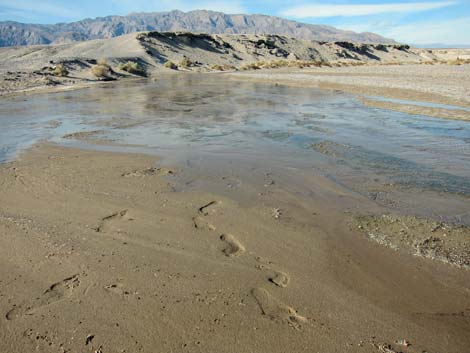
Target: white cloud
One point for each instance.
(447, 32)
(450, 32)
(28, 7)
(320, 10)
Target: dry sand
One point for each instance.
(99, 252)
(442, 84)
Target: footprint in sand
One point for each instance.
(233, 246)
(54, 293)
(209, 207)
(280, 279)
(201, 224)
(118, 289)
(107, 221)
(232, 182)
(203, 211)
(277, 311)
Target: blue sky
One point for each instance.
(415, 22)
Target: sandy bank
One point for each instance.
(442, 84)
(98, 249)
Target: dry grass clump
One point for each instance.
(225, 67)
(101, 69)
(133, 68)
(185, 63)
(314, 63)
(276, 64)
(251, 66)
(458, 61)
(434, 61)
(391, 63)
(60, 70)
(284, 63)
(171, 65)
(344, 63)
(353, 63)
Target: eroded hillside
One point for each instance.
(147, 53)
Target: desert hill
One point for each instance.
(202, 21)
(147, 53)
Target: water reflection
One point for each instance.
(207, 114)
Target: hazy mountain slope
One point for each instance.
(14, 33)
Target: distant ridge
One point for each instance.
(442, 46)
(15, 33)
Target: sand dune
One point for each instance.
(23, 68)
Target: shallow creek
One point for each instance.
(229, 135)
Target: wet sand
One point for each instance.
(456, 113)
(262, 219)
(107, 252)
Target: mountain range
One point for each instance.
(16, 33)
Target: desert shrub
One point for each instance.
(251, 66)
(354, 63)
(101, 70)
(429, 62)
(325, 63)
(225, 67)
(274, 64)
(102, 61)
(185, 63)
(390, 63)
(217, 67)
(285, 63)
(133, 68)
(307, 63)
(60, 70)
(171, 65)
(458, 61)
(338, 64)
